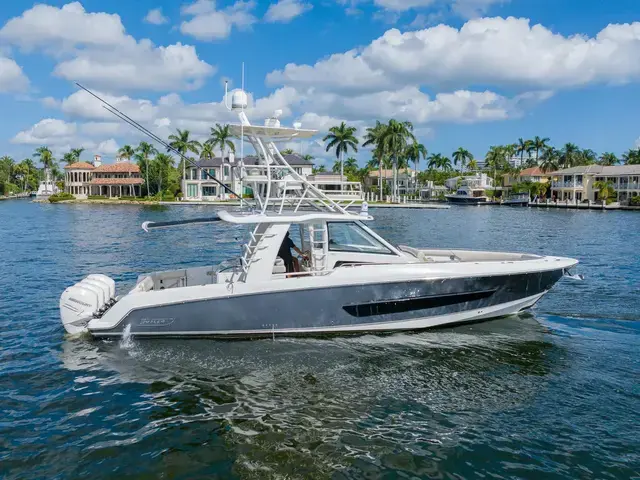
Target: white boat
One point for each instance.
(471, 189)
(517, 200)
(351, 280)
(47, 187)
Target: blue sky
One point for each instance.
(470, 73)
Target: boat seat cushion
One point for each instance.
(278, 266)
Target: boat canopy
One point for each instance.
(290, 217)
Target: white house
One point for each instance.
(578, 184)
(198, 186)
(407, 183)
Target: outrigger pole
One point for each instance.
(124, 117)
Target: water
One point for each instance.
(554, 394)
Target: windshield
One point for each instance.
(351, 237)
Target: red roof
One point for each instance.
(530, 172)
(80, 166)
(122, 167)
(116, 181)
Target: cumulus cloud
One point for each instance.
(485, 51)
(49, 131)
(208, 23)
(94, 47)
(12, 78)
(286, 10)
(155, 17)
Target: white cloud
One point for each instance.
(155, 17)
(49, 131)
(108, 147)
(143, 66)
(94, 48)
(66, 27)
(208, 24)
(12, 78)
(81, 104)
(486, 51)
(286, 10)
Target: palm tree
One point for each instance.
(7, 162)
(207, 152)
(439, 162)
(394, 141)
(162, 163)
(127, 152)
(569, 155)
(606, 190)
(68, 158)
(608, 159)
(181, 143)
(372, 137)
(632, 157)
(76, 152)
(144, 151)
(473, 165)
(318, 169)
(342, 138)
(587, 157)
(539, 144)
(412, 153)
(307, 157)
(550, 160)
(461, 156)
(521, 147)
(287, 151)
(221, 136)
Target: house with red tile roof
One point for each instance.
(114, 180)
(532, 175)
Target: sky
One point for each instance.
(466, 73)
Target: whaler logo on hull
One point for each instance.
(155, 322)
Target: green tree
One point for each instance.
(539, 144)
(144, 151)
(318, 169)
(287, 151)
(394, 141)
(181, 142)
(341, 138)
(473, 165)
(608, 159)
(550, 160)
(439, 162)
(161, 166)
(127, 152)
(631, 157)
(207, 152)
(373, 138)
(522, 147)
(605, 190)
(461, 156)
(569, 155)
(221, 136)
(587, 157)
(6, 166)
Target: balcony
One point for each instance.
(566, 184)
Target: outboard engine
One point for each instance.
(87, 299)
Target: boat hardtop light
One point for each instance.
(348, 280)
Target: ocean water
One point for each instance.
(551, 394)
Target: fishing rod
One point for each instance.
(124, 117)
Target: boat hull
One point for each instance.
(371, 307)
(465, 200)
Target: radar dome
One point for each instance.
(239, 100)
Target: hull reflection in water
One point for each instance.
(340, 401)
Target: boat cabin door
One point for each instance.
(314, 243)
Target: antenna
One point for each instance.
(241, 162)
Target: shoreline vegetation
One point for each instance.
(393, 146)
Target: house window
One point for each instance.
(192, 190)
(298, 170)
(209, 191)
(226, 170)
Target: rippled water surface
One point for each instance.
(553, 394)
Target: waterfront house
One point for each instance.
(531, 175)
(198, 186)
(115, 180)
(77, 178)
(331, 184)
(407, 184)
(577, 184)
